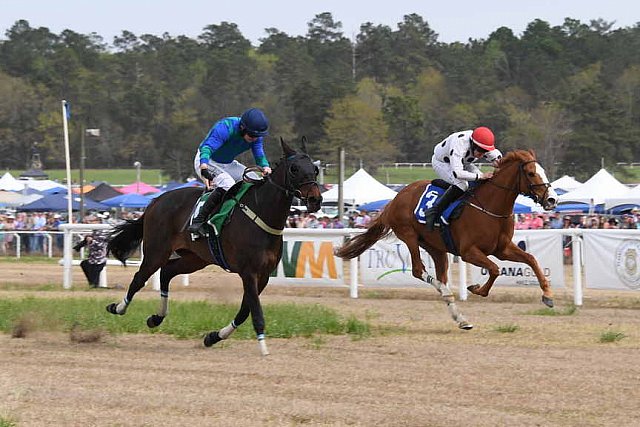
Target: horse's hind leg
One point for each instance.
(150, 264)
(186, 264)
(440, 283)
(513, 253)
(410, 238)
(241, 316)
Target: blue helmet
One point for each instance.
(254, 122)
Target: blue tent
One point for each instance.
(177, 187)
(59, 203)
(580, 207)
(374, 206)
(131, 200)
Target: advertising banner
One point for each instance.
(309, 260)
(388, 263)
(612, 259)
(545, 246)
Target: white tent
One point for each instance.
(360, 188)
(9, 183)
(595, 190)
(566, 183)
(631, 197)
(40, 184)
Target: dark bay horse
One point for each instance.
(485, 227)
(251, 240)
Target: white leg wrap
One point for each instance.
(164, 306)
(262, 344)
(227, 331)
(448, 298)
(122, 307)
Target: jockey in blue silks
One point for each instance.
(215, 162)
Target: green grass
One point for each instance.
(111, 176)
(568, 311)
(611, 336)
(505, 329)
(186, 320)
(7, 422)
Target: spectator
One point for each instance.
(97, 259)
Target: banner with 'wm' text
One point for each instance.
(309, 260)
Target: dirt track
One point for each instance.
(551, 371)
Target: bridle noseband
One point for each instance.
(290, 188)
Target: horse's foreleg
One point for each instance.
(513, 253)
(242, 315)
(476, 257)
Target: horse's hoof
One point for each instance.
(211, 338)
(113, 308)
(473, 289)
(154, 321)
(465, 325)
(547, 301)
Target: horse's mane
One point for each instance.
(515, 156)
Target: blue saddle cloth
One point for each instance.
(427, 200)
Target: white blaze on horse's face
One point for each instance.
(551, 200)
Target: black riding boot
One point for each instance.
(442, 203)
(198, 224)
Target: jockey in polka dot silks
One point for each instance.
(453, 160)
(215, 160)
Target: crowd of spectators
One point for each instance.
(556, 220)
(33, 226)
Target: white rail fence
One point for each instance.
(600, 259)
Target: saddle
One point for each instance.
(429, 197)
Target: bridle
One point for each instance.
(516, 189)
(530, 185)
(292, 188)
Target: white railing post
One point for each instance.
(50, 244)
(577, 269)
(353, 277)
(103, 277)
(67, 281)
(462, 280)
(18, 244)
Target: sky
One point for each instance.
(452, 20)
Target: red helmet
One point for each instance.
(483, 138)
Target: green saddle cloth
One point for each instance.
(218, 219)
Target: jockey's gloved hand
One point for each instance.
(206, 174)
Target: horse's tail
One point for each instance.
(376, 231)
(125, 238)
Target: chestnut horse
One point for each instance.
(485, 227)
(251, 240)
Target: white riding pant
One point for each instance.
(445, 172)
(224, 174)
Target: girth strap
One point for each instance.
(259, 222)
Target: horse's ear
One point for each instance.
(288, 151)
(304, 144)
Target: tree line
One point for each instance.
(570, 92)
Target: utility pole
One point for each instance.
(341, 183)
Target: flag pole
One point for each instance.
(65, 127)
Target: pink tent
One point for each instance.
(138, 188)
